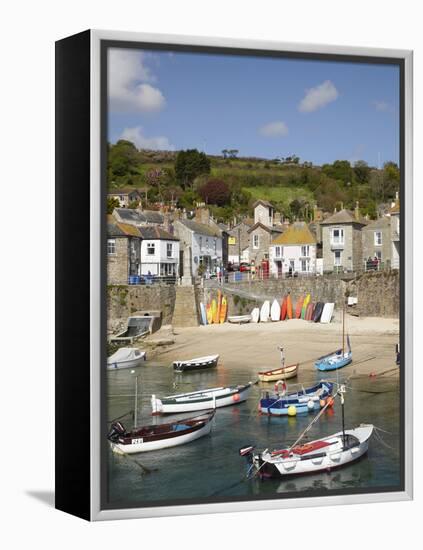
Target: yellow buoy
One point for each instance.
(292, 410)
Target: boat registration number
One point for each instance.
(137, 441)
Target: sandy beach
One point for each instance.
(255, 345)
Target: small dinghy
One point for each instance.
(302, 401)
(320, 455)
(159, 436)
(282, 373)
(327, 313)
(255, 315)
(265, 312)
(199, 400)
(275, 311)
(239, 319)
(126, 358)
(198, 363)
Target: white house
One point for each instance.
(294, 251)
(159, 252)
(201, 245)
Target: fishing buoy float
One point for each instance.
(292, 410)
(235, 397)
(330, 401)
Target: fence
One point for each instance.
(151, 280)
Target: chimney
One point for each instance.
(357, 211)
(202, 215)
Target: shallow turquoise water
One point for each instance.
(211, 466)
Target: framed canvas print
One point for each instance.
(234, 292)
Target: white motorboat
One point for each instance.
(126, 358)
(159, 436)
(199, 400)
(320, 455)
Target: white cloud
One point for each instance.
(136, 135)
(274, 129)
(130, 83)
(381, 106)
(318, 97)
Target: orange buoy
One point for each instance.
(330, 401)
(235, 397)
(322, 403)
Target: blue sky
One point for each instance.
(265, 107)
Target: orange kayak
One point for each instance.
(299, 307)
(284, 308)
(289, 307)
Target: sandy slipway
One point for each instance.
(254, 346)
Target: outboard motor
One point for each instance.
(116, 429)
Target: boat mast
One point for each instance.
(136, 403)
(341, 393)
(343, 329)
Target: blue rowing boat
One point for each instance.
(335, 360)
(305, 400)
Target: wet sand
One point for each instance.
(255, 345)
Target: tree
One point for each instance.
(112, 203)
(215, 191)
(224, 153)
(189, 164)
(340, 170)
(362, 171)
(123, 159)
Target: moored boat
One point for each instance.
(319, 455)
(302, 401)
(282, 373)
(159, 436)
(126, 358)
(199, 400)
(198, 363)
(339, 358)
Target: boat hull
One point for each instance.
(156, 442)
(239, 319)
(305, 401)
(315, 462)
(278, 374)
(130, 364)
(183, 366)
(333, 362)
(225, 399)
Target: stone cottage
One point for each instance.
(200, 248)
(238, 242)
(395, 234)
(342, 241)
(377, 244)
(125, 196)
(123, 251)
(262, 233)
(294, 251)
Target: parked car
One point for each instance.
(244, 267)
(232, 267)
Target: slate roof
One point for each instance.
(343, 216)
(136, 216)
(118, 229)
(380, 223)
(273, 229)
(154, 233)
(297, 233)
(264, 203)
(200, 228)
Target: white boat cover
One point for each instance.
(124, 354)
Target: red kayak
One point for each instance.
(284, 308)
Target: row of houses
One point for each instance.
(154, 245)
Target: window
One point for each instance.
(215, 246)
(337, 258)
(378, 238)
(256, 241)
(111, 247)
(169, 250)
(305, 265)
(378, 255)
(305, 251)
(278, 251)
(201, 243)
(337, 236)
(151, 249)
